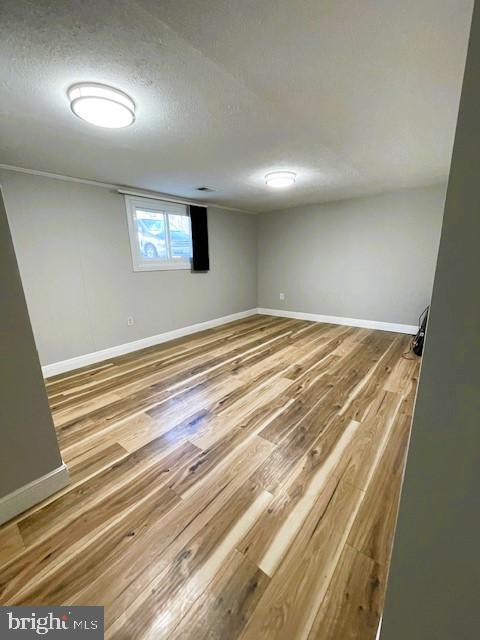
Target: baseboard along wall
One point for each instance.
(112, 352)
(379, 629)
(350, 322)
(32, 493)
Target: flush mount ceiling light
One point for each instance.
(101, 105)
(280, 179)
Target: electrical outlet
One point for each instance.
(282, 296)
(130, 321)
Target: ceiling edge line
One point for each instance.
(121, 189)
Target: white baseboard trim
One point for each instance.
(351, 322)
(33, 493)
(97, 356)
(379, 629)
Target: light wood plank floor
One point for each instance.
(238, 483)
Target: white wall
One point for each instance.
(74, 257)
(368, 258)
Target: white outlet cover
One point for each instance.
(282, 296)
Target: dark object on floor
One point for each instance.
(419, 339)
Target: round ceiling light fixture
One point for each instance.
(101, 105)
(280, 179)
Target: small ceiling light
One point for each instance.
(101, 105)
(280, 179)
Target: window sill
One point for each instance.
(163, 267)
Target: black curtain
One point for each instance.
(198, 218)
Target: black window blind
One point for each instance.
(198, 219)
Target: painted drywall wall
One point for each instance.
(74, 257)
(29, 447)
(368, 258)
(435, 573)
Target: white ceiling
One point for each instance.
(356, 96)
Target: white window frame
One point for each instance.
(132, 203)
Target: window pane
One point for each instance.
(160, 234)
(180, 236)
(151, 234)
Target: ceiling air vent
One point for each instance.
(205, 189)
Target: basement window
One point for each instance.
(160, 234)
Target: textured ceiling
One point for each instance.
(356, 96)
